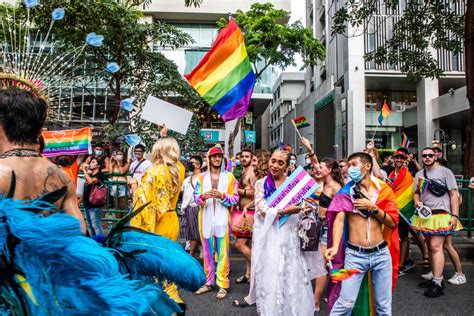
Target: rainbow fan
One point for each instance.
(339, 275)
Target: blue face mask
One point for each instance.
(237, 163)
(355, 174)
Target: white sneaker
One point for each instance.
(428, 276)
(458, 279)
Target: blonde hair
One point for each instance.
(166, 151)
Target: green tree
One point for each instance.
(424, 27)
(270, 42)
(128, 41)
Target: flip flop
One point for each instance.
(242, 279)
(223, 292)
(241, 304)
(203, 289)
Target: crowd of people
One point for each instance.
(367, 212)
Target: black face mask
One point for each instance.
(63, 162)
(191, 167)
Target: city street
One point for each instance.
(408, 298)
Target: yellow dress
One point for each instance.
(159, 216)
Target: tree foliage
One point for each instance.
(129, 41)
(423, 27)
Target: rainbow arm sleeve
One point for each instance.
(198, 192)
(231, 197)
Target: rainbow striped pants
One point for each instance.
(216, 254)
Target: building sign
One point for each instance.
(250, 137)
(210, 136)
(324, 101)
(249, 118)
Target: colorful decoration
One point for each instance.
(127, 104)
(94, 40)
(405, 141)
(339, 275)
(67, 142)
(57, 14)
(132, 139)
(384, 112)
(112, 67)
(423, 184)
(300, 122)
(224, 78)
(31, 3)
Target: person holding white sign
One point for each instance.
(281, 273)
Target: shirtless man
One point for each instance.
(246, 201)
(371, 211)
(22, 116)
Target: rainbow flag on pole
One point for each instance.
(224, 78)
(300, 122)
(384, 112)
(68, 142)
(405, 141)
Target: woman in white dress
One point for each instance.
(281, 272)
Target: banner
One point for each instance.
(297, 186)
(210, 136)
(250, 137)
(67, 142)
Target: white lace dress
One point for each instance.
(281, 273)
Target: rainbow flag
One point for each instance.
(384, 112)
(68, 142)
(300, 122)
(403, 188)
(422, 184)
(224, 78)
(405, 141)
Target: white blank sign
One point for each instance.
(161, 112)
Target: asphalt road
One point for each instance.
(408, 298)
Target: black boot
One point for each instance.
(183, 308)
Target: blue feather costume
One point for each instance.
(58, 271)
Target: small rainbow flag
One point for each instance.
(405, 141)
(339, 275)
(300, 122)
(68, 142)
(384, 112)
(224, 78)
(423, 184)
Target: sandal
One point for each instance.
(426, 263)
(221, 294)
(203, 289)
(241, 304)
(242, 279)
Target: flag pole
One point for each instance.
(297, 131)
(375, 132)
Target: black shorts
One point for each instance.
(403, 228)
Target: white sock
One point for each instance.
(438, 280)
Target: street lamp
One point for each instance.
(441, 138)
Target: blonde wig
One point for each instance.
(166, 151)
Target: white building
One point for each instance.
(344, 94)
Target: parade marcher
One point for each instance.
(437, 201)
(216, 193)
(161, 185)
(367, 205)
(401, 182)
(281, 273)
(118, 171)
(243, 216)
(189, 206)
(22, 116)
(72, 169)
(344, 168)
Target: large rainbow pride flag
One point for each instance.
(67, 142)
(224, 78)
(403, 188)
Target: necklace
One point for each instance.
(20, 152)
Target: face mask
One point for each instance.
(237, 163)
(308, 161)
(293, 162)
(63, 162)
(98, 152)
(355, 174)
(119, 157)
(191, 167)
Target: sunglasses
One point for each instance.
(427, 155)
